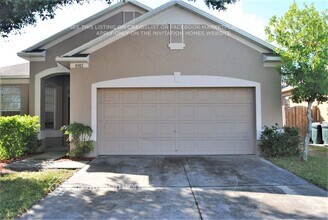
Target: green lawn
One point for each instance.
(315, 170)
(19, 191)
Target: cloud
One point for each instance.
(236, 16)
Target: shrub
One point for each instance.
(279, 142)
(80, 137)
(18, 136)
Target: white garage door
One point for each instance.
(176, 121)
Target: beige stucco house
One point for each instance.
(167, 81)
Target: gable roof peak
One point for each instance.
(85, 21)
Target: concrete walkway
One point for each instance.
(214, 187)
(36, 163)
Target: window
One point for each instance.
(49, 108)
(10, 100)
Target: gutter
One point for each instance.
(271, 58)
(33, 56)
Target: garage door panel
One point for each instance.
(243, 146)
(166, 146)
(129, 146)
(204, 146)
(110, 129)
(185, 95)
(223, 128)
(203, 111)
(242, 113)
(129, 129)
(185, 112)
(176, 121)
(186, 129)
(167, 112)
(148, 129)
(204, 96)
(129, 96)
(109, 96)
(109, 147)
(186, 146)
(204, 129)
(148, 146)
(243, 96)
(109, 111)
(147, 96)
(224, 146)
(148, 112)
(222, 96)
(242, 128)
(222, 112)
(167, 96)
(129, 112)
(167, 129)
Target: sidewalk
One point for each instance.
(36, 163)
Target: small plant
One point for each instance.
(280, 142)
(80, 138)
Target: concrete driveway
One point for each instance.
(212, 187)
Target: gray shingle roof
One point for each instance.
(15, 71)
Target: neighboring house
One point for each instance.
(14, 86)
(156, 83)
(294, 114)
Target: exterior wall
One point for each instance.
(55, 138)
(141, 56)
(134, 56)
(69, 44)
(24, 99)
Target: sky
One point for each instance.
(249, 15)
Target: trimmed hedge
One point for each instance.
(18, 136)
(280, 142)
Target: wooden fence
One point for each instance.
(296, 116)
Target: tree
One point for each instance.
(302, 39)
(16, 14)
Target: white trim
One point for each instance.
(176, 46)
(37, 86)
(271, 58)
(73, 59)
(50, 133)
(168, 81)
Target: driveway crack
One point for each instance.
(193, 194)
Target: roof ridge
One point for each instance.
(161, 8)
(88, 19)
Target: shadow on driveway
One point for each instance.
(225, 187)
